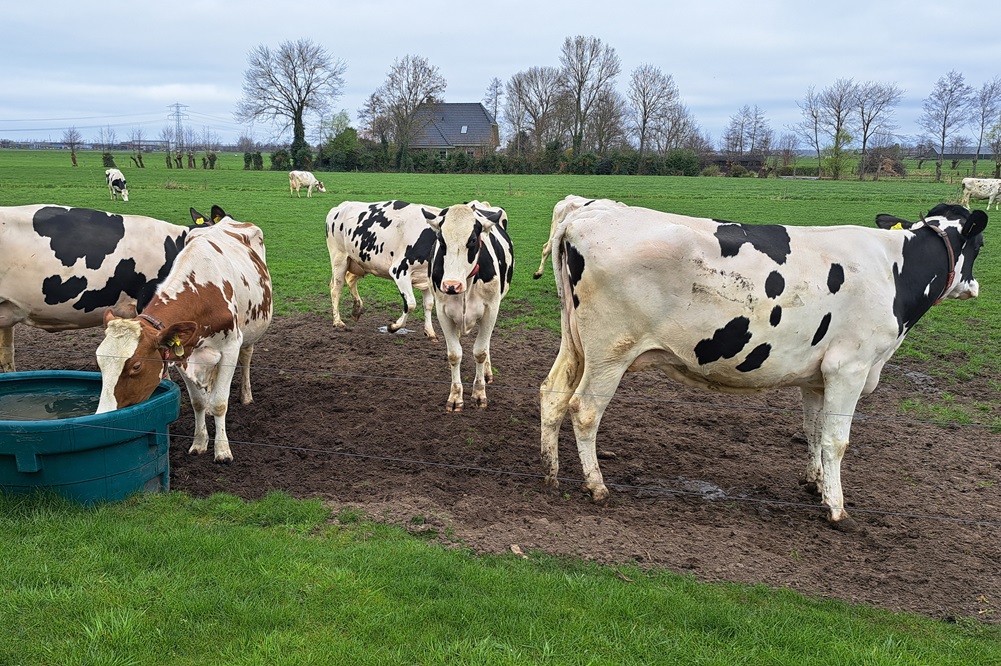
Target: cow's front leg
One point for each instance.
(200, 441)
(481, 352)
(813, 423)
(336, 287)
(454, 346)
(7, 349)
(842, 388)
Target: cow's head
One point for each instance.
(320, 187)
(461, 232)
(133, 355)
(964, 233)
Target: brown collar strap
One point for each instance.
(952, 261)
(156, 323)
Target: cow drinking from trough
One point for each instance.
(61, 267)
(982, 188)
(297, 179)
(204, 319)
(388, 239)
(472, 263)
(743, 308)
(116, 184)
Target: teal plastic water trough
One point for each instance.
(51, 439)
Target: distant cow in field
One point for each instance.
(61, 267)
(472, 263)
(116, 184)
(982, 188)
(297, 179)
(568, 205)
(742, 308)
(204, 319)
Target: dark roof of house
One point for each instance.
(453, 124)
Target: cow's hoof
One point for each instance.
(846, 524)
(810, 487)
(599, 494)
(453, 406)
(551, 482)
(536, 276)
(481, 403)
(197, 450)
(223, 461)
(356, 312)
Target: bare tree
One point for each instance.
(606, 128)
(945, 111)
(136, 138)
(515, 118)
(492, 98)
(538, 94)
(167, 139)
(589, 67)
(654, 97)
(809, 127)
(837, 105)
(875, 103)
(994, 143)
(985, 110)
(748, 132)
(284, 85)
(788, 145)
(677, 129)
(72, 138)
(411, 82)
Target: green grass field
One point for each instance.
(172, 580)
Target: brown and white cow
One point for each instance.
(388, 239)
(116, 184)
(743, 308)
(569, 204)
(472, 263)
(204, 319)
(982, 188)
(61, 267)
(297, 179)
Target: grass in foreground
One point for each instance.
(167, 579)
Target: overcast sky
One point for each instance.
(122, 64)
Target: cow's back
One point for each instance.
(725, 297)
(61, 267)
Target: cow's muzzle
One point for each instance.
(453, 286)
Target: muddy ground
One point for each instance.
(706, 484)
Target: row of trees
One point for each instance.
(575, 113)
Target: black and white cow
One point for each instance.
(742, 308)
(116, 184)
(569, 204)
(61, 267)
(388, 239)
(472, 263)
(982, 188)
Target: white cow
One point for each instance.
(472, 263)
(568, 205)
(388, 239)
(743, 308)
(116, 184)
(297, 179)
(982, 188)
(204, 319)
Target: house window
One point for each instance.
(471, 152)
(442, 154)
(465, 128)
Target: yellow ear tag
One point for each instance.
(200, 220)
(898, 225)
(175, 345)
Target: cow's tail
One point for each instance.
(568, 314)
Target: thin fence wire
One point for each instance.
(647, 491)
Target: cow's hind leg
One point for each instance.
(246, 395)
(587, 406)
(406, 290)
(428, 301)
(554, 396)
(7, 349)
(357, 305)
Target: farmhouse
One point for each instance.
(445, 128)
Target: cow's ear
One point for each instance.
(197, 217)
(975, 224)
(432, 219)
(108, 316)
(217, 214)
(886, 221)
(493, 215)
(177, 337)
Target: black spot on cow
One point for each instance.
(769, 239)
(575, 266)
(56, 291)
(364, 237)
(398, 205)
(438, 261)
(125, 280)
(825, 323)
(775, 284)
(757, 356)
(418, 253)
(776, 316)
(835, 278)
(79, 233)
(726, 342)
(473, 243)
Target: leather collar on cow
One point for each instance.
(158, 325)
(952, 260)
